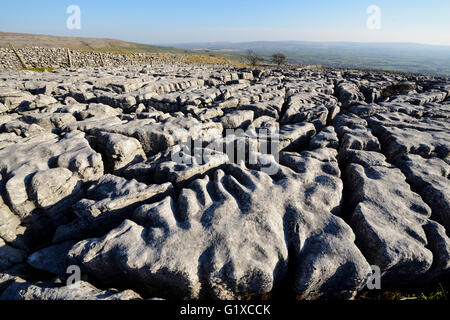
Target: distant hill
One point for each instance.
(406, 57)
(21, 40)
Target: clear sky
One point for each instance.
(175, 21)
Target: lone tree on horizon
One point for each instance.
(252, 58)
(278, 58)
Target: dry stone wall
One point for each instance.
(38, 57)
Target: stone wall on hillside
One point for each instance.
(38, 57)
(9, 60)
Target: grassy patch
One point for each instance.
(396, 89)
(211, 59)
(38, 69)
(434, 293)
(398, 295)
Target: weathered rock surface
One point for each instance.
(109, 201)
(9, 256)
(391, 224)
(237, 119)
(308, 106)
(348, 93)
(118, 151)
(431, 179)
(129, 173)
(42, 176)
(48, 291)
(327, 138)
(215, 238)
(294, 137)
(52, 259)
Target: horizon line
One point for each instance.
(230, 42)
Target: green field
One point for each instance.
(413, 58)
(403, 57)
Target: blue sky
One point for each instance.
(176, 21)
